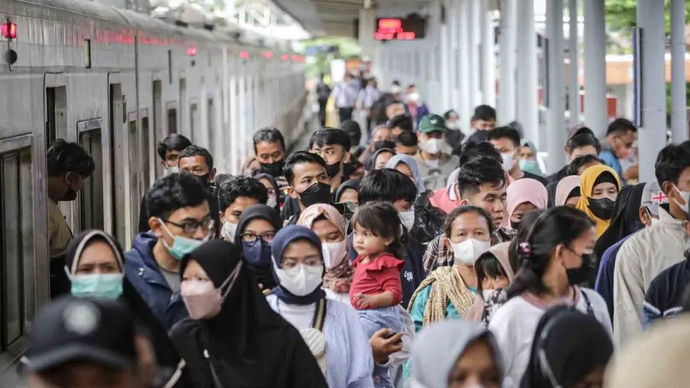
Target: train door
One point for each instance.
(118, 160)
(56, 114)
(183, 102)
(172, 117)
(194, 126)
(134, 161)
(159, 133)
(91, 196)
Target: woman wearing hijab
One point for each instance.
(408, 166)
(380, 158)
(274, 194)
(626, 218)
(257, 227)
(599, 187)
(522, 197)
(95, 267)
(455, 354)
(232, 338)
(527, 157)
(568, 191)
(494, 275)
(348, 191)
(331, 329)
(561, 358)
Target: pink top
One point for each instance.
(373, 278)
(441, 199)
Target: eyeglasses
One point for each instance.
(190, 227)
(252, 237)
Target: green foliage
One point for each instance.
(348, 47)
(621, 15)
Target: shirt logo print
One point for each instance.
(409, 276)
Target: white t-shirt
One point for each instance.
(514, 325)
(342, 298)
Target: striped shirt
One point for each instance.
(440, 254)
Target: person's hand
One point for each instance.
(383, 347)
(363, 301)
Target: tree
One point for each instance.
(621, 15)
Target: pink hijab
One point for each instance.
(565, 186)
(500, 251)
(525, 190)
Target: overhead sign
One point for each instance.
(400, 29)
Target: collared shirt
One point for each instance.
(345, 95)
(368, 96)
(609, 157)
(59, 232)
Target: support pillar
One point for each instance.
(574, 75)
(556, 128)
(488, 68)
(465, 108)
(453, 47)
(445, 49)
(527, 104)
(595, 67)
(507, 42)
(679, 123)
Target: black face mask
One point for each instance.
(203, 179)
(602, 208)
(70, 194)
(348, 169)
(384, 144)
(515, 225)
(333, 169)
(274, 169)
(316, 193)
(577, 276)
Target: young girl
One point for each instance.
(494, 275)
(376, 289)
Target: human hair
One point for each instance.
(241, 186)
(353, 129)
(484, 112)
(488, 266)
(458, 211)
(300, 157)
(477, 172)
(382, 220)
(449, 113)
(560, 225)
(195, 150)
(671, 162)
(222, 178)
(505, 133)
(407, 139)
(330, 136)
(472, 151)
(580, 161)
(173, 192)
(620, 126)
(386, 185)
(172, 142)
(268, 135)
(65, 374)
(403, 121)
(583, 140)
(523, 230)
(63, 157)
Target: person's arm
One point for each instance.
(383, 346)
(628, 292)
(418, 307)
(384, 299)
(360, 357)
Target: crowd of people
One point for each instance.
(426, 257)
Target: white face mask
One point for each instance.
(272, 201)
(171, 170)
(413, 97)
(452, 125)
(431, 146)
(508, 161)
(407, 219)
(468, 251)
(686, 197)
(300, 280)
(333, 253)
(486, 294)
(229, 229)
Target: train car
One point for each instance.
(117, 82)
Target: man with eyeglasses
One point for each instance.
(180, 219)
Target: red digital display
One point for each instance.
(399, 29)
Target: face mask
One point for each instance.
(300, 280)
(333, 253)
(407, 219)
(577, 276)
(181, 245)
(203, 179)
(257, 253)
(452, 125)
(333, 169)
(431, 146)
(171, 170)
(413, 97)
(272, 201)
(274, 169)
(316, 193)
(508, 161)
(531, 166)
(97, 286)
(229, 229)
(686, 197)
(515, 225)
(70, 194)
(486, 294)
(384, 144)
(602, 208)
(468, 251)
(202, 299)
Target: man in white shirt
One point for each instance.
(345, 95)
(644, 255)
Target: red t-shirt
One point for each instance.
(376, 277)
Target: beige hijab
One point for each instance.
(500, 251)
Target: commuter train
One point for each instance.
(117, 82)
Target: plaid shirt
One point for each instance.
(439, 253)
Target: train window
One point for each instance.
(211, 122)
(172, 120)
(146, 154)
(193, 122)
(91, 197)
(118, 159)
(56, 114)
(134, 162)
(183, 102)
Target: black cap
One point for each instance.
(71, 329)
(578, 130)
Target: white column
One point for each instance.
(367, 26)
(453, 30)
(574, 76)
(242, 123)
(444, 50)
(474, 53)
(507, 42)
(234, 143)
(465, 108)
(595, 67)
(556, 129)
(652, 134)
(527, 113)
(679, 124)
(488, 68)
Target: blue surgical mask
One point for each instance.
(257, 253)
(531, 166)
(98, 286)
(181, 245)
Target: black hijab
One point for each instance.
(372, 159)
(248, 344)
(351, 184)
(263, 275)
(626, 218)
(274, 183)
(572, 343)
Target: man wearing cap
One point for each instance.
(83, 343)
(434, 165)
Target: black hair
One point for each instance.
(222, 178)
(241, 186)
(386, 185)
(580, 161)
(173, 192)
(484, 112)
(526, 224)
(269, 135)
(382, 220)
(63, 157)
(172, 142)
(448, 113)
(330, 136)
(407, 139)
(488, 266)
(403, 121)
(620, 126)
(505, 132)
(300, 157)
(458, 211)
(471, 151)
(556, 226)
(671, 162)
(479, 171)
(381, 144)
(195, 150)
(583, 140)
(353, 129)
